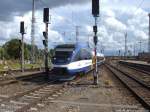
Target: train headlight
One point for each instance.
(70, 66)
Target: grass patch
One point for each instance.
(107, 82)
(16, 65)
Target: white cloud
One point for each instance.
(116, 18)
(140, 34)
(115, 24)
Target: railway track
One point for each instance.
(139, 70)
(15, 79)
(141, 67)
(136, 75)
(21, 102)
(25, 101)
(142, 76)
(140, 91)
(19, 70)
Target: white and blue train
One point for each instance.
(73, 58)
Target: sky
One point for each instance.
(116, 18)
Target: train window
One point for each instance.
(62, 54)
(62, 57)
(77, 57)
(83, 54)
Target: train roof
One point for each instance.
(66, 46)
(72, 46)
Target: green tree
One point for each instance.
(12, 49)
(51, 53)
(1, 53)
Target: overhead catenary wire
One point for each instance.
(140, 4)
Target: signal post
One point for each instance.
(22, 44)
(95, 13)
(45, 34)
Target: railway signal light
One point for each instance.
(44, 42)
(46, 15)
(22, 27)
(45, 34)
(20, 44)
(19, 41)
(95, 29)
(95, 40)
(95, 8)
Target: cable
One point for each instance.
(43, 3)
(141, 3)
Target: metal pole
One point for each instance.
(46, 49)
(95, 53)
(77, 33)
(95, 12)
(125, 54)
(134, 50)
(140, 46)
(33, 33)
(149, 35)
(119, 53)
(22, 53)
(64, 34)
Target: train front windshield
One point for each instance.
(62, 56)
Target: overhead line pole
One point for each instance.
(140, 50)
(125, 54)
(149, 35)
(134, 49)
(77, 33)
(33, 33)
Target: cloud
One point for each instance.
(11, 8)
(140, 34)
(116, 18)
(113, 23)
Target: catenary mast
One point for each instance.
(33, 33)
